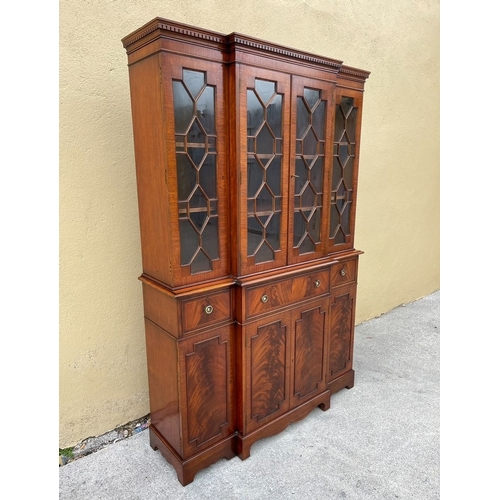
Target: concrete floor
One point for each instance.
(379, 440)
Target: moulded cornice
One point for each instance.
(253, 43)
(173, 27)
(359, 73)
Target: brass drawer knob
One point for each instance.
(209, 309)
(343, 272)
(317, 283)
(264, 298)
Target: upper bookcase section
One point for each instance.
(165, 35)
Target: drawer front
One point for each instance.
(206, 309)
(344, 272)
(275, 294)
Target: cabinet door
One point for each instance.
(206, 388)
(264, 104)
(308, 375)
(267, 370)
(344, 179)
(311, 145)
(341, 334)
(196, 172)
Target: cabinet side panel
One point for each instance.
(161, 352)
(149, 147)
(160, 309)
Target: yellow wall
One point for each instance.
(103, 380)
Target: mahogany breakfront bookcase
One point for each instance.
(247, 166)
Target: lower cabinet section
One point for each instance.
(191, 388)
(215, 392)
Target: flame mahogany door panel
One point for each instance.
(267, 368)
(309, 336)
(285, 362)
(206, 375)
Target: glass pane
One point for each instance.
(343, 153)
(317, 174)
(196, 134)
(264, 254)
(200, 263)
(205, 110)
(214, 208)
(302, 118)
(273, 231)
(339, 124)
(345, 218)
(263, 218)
(337, 173)
(308, 197)
(265, 142)
(348, 170)
(264, 200)
(210, 238)
(198, 200)
(339, 237)
(198, 219)
(310, 144)
(302, 173)
(186, 177)
(255, 113)
(189, 241)
(255, 176)
(207, 177)
(274, 115)
(318, 120)
(306, 246)
(299, 228)
(314, 225)
(196, 170)
(264, 162)
(351, 125)
(183, 108)
(341, 195)
(311, 96)
(334, 220)
(273, 176)
(194, 80)
(250, 145)
(347, 104)
(255, 235)
(265, 89)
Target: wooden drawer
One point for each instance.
(261, 299)
(344, 272)
(206, 309)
